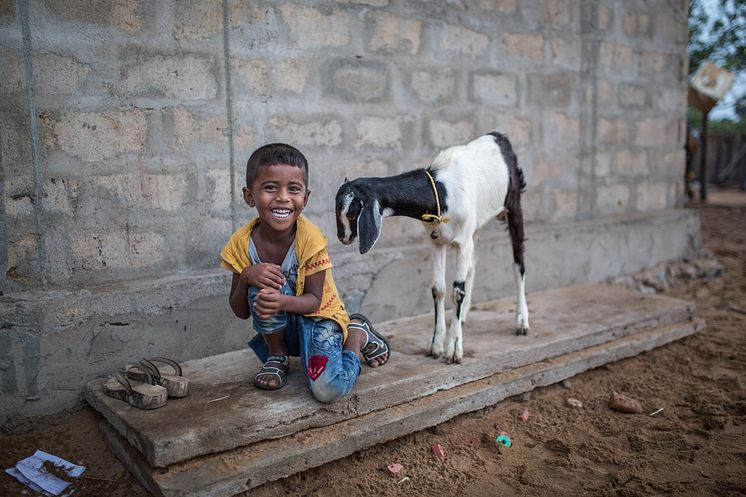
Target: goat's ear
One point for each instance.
(346, 180)
(369, 225)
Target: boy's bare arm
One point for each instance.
(269, 302)
(238, 297)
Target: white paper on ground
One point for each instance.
(31, 472)
(19, 476)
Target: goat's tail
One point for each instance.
(512, 203)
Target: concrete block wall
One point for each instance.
(145, 113)
(125, 128)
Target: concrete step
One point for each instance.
(237, 470)
(563, 321)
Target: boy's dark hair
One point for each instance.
(273, 154)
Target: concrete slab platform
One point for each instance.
(234, 471)
(563, 321)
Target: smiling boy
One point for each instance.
(282, 278)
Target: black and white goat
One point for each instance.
(464, 187)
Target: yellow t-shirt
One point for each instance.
(312, 249)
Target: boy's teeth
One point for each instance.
(281, 212)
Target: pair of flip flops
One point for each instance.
(145, 386)
(375, 344)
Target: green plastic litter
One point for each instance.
(504, 439)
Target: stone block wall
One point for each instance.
(144, 114)
(125, 128)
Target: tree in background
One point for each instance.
(717, 32)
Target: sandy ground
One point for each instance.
(695, 446)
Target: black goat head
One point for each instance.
(358, 215)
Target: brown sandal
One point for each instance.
(143, 395)
(175, 383)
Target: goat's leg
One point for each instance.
(521, 309)
(439, 293)
(469, 285)
(515, 228)
(464, 265)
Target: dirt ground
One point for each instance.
(695, 446)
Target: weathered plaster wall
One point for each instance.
(125, 127)
(145, 113)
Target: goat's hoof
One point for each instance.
(521, 331)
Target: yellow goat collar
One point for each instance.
(432, 218)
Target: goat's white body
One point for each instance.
(476, 179)
(476, 182)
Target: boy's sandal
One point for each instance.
(143, 395)
(267, 370)
(176, 385)
(375, 344)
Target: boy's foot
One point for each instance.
(374, 347)
(273, 374)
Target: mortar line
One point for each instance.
(27, 56)
(595, 47)
(589, 75)
(229, 112)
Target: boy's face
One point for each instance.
(279, 194)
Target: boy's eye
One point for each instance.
(296, 189)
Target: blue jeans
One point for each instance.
(330, 371)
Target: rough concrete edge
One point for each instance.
(125, 452)
(160, 452)
(80, 305)
(108, 299)
(92, 396)
(437, 408)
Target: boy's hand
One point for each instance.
(268, 303)
(263, 275)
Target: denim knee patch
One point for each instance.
(333, 387)
(331, 371)
(326, 346)
(327, 337)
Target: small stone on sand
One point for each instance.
(438, 451)
(574, 403)
(622, 403)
